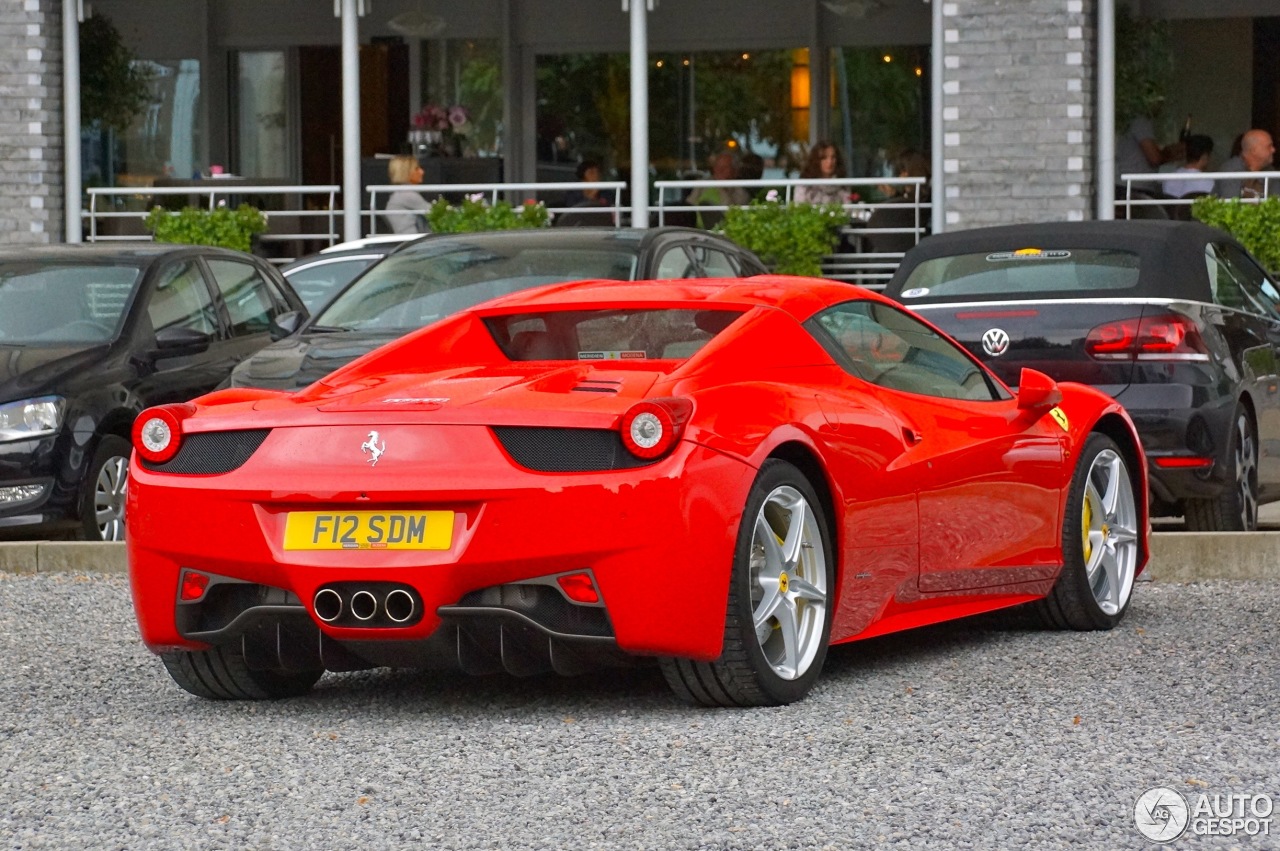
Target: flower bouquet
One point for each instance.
(441, 129)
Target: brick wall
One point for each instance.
(1018, 107)
(31, 207)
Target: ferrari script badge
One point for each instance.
(995, 342)
(371, 448)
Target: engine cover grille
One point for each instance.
(566, 450)
(212, 452)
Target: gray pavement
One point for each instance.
(982, 734)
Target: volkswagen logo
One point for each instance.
(995, 342)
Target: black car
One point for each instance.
(319, 277)
(1176, 320)
(91, 335)
(440, 274)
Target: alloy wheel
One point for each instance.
(788, 580)
(109, 498)
(1109, 525)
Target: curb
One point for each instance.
(1175, 556)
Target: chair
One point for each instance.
(1140, 211)
(590, 217)
(899, 216)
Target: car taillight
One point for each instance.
(651, 429)
(1169, 336)
(157, 432)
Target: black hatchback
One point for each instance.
(1176, 320)
(91, 335)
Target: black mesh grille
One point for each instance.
(566, 450)
(212, 452)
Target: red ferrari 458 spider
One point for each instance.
(724, 476)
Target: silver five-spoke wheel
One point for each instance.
(788, 580)
(1109, 521)
(109, 496)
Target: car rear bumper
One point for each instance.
(657, 541)
(1176, 421)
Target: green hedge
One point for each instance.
(791, 240)
(475, 215)
(1256, 225)
(222, 226)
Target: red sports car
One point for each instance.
(724, 476)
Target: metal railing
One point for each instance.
(1169, 195)
(109, 217)
(512, 193)
(871, 245)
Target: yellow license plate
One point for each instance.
(368, 530)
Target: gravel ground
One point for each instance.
(974, 735)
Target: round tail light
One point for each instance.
(652, 428)
(157, 432)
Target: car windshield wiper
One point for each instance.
(329, 329)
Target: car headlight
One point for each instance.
(30, 418)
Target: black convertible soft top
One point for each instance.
(1171, 254)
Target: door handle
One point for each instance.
(911, 436)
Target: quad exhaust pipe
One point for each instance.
(379, 605)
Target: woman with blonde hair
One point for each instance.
(406, 210)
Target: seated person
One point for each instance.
(588, 171)
(409, 208)
(1199, 147)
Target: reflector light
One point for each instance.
(579, 588)
(1181, 462)
(157, 432)
(652, 428)
(193, 586)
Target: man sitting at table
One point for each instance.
(1256, 153)
(1199, 147)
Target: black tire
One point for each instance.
(102, 493)
(1100, 543)
(221, 674)
(1236, 508)
(748, 670)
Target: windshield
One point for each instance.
(60, 303)
(1022, 273)
(411, 289)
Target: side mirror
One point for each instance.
(285, 324)
(1037, 391)
(174, 342)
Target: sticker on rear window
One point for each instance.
(1029, 254)
(915, 292)
(612, 356)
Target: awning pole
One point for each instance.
(1106, 110)
(352, 199)
(639, 113)
(73, 179)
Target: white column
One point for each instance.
(1105, 110)
(72, 179)
(938, 219)
(351, 196)
(639, 115)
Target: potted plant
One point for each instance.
(1255, 223)
(791, 240)
(473, 214)
(222, 226)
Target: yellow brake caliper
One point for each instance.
(1086, 520)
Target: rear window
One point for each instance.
(1022, 273)
(607, 335)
